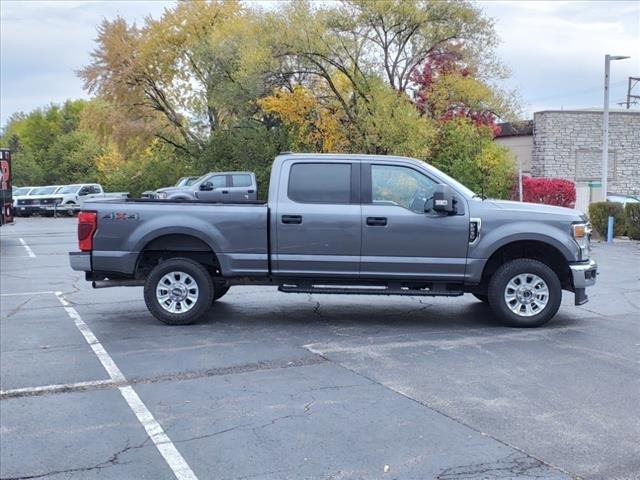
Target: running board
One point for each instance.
(408, 292)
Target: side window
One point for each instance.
(218, 181)
(93, 189)
(402, 186)
(241, 180)
(85, 190)
(320, 183)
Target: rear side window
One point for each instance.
(241, 180)
(320, 183)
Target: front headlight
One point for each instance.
(582, 236)
(161, 195)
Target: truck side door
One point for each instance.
(318, 216)
(242, 187)
(401, 240)
(214, 189)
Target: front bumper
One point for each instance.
(80, 261)
(27, 209)
(584, 273)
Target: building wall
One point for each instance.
(568, 144)
(522, 149)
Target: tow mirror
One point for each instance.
(443, 199)
(206, 186)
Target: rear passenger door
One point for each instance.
(242, 188)
(318, 219)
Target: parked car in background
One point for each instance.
(220, 187)
(35, 200)
(70, 198)
(623, 199)
(182, 182)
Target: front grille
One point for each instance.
(24, 202)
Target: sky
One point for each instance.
(554, 49)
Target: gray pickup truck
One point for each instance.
(342, 224)
(227, 187)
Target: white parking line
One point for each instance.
(161, 440)
(21, 294)
(62, 387)
(27, 248)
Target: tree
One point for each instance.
(199, 68)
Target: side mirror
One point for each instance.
(206, 186)
(444, 199)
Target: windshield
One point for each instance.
(186, 181)
(451, 181)
(43, 190)
(69, 189)
(22, 191)
(191, 181)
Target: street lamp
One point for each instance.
(605, 122)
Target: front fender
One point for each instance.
(495, 238)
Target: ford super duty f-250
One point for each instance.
(342, 224)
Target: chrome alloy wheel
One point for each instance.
(526, 294)
(177, 292)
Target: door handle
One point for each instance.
(250, 191)
(377, 221)
(292, 219)
(225, 191)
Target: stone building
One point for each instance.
(568, 144)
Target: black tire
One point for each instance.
(483, 298)
(197, 308)
(70, 211)
(220, 291)
(498, 289)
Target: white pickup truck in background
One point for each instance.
(70, 199)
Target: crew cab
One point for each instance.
(70, 198)
(342, 224)
(215, 187)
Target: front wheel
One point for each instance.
(525, 293)
(178, 291)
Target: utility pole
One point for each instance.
(605, 122)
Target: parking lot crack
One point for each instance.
(18, 308)
(110, 462)
(515, 465)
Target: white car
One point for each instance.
(33, 202)
(19, 194)
(71, 198)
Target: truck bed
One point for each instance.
(238, 232)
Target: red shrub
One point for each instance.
(550, 191)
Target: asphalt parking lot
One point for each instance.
(281, 386)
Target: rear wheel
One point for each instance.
(178, 291)
(525, 293)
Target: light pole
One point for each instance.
(605, 122)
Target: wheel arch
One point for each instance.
(540, 250)
(171, 245)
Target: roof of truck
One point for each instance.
(351, 156)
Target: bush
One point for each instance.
(632, 220)
(550, 191)
(599, 213)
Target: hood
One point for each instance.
(535, 208)
(172, 190)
